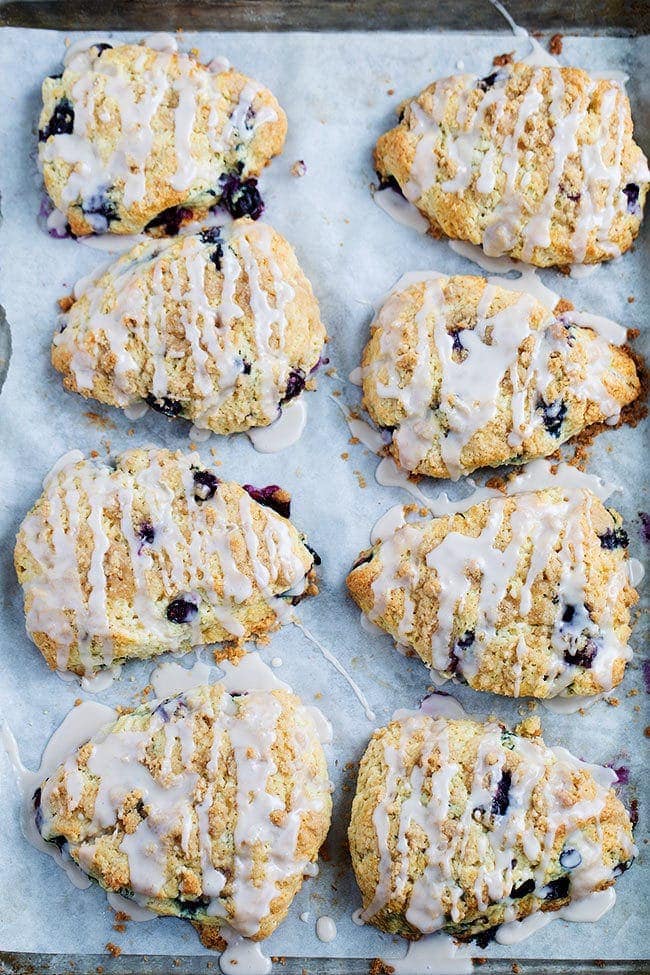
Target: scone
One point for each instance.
(153, 554)
(534, 162)
(519, 595)
(461, 826)
(220, 328)
(134, 139)
(467, 374)
(206, 806)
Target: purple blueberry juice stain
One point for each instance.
(644, 518)
(646, 675)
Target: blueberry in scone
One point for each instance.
(460, 826)
(134, 139)
(205, 806)
(534, 162)
(154, 554)
(518, 595)
(467, 374)
(216, 327)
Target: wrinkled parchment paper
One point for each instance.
(339, 92)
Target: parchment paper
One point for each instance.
(339, 92)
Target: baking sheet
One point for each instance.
(339, 92)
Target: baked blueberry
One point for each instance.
(582, 656)
(164, 405)
(61, 122)
(553, 415)
(170, 220)
(632, 193)
(271, 496)
(241, 198)
(205, 485)
(557, 889)
(295, 385)
(614, 538)
(523, 889)
(182, 610)
(500, 800)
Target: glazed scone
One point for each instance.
(461, 826)
(206, 806)
(134, 139)
(467, 374)
(153, 554)
(220, 328)
(527, 594)
(537, 163)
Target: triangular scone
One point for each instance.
(206, 806)
(134, 139)
(534, 162)
(220, 328)
(460, 826)
(467, 374)
(153, 554)
(520, 595)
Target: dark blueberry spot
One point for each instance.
(614, 538)
(314, 554)
(271, 496)
(205, 484)
(146, 532)
(181, 610)
(632, 193)
(61, 123)
(58, 841)
(488, 81)
(500, 798)
(250, 117)
(554, 414)
(211, 235)
(570, 859)
(523, 890)
(170, 220)
(99, 210)
(190, 909)
(38, 812)
(55, 77)
(241, 198)
(462, 643)
(141, 809)
(216, 256)
(622, 867)
(400, 116)
(295, 385)
(247, 368)
(483, 938)
(582, 656)
(389, 182)
(100, 48)
(568, 614)
(164, 405)
(556, 890)
(457, 345)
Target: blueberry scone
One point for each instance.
(221, 328)
(134, 139)
(467, 374)
(534, 162)
(462, 826)
(154, 554)
(527, 594)
(206, 806)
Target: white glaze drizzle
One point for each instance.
(59, 606)
(552, 526)
(170, 76)
(117, 306)
(406, 800)
(471, 383)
